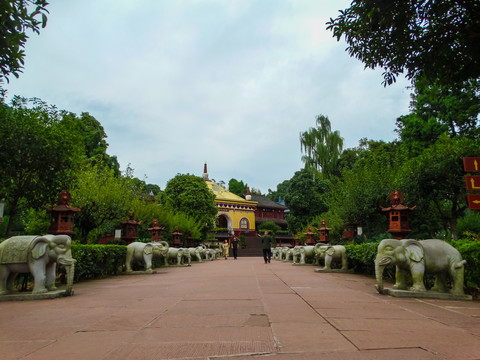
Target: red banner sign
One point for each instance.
(471, 164)
(473, 182)
(474, 201)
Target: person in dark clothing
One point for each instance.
(234, 245)
(266, 246)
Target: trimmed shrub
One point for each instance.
(97, 261)
(470, 251)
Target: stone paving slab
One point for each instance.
(242, 309)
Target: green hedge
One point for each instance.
(361, 257)
(470, 251)
(97, 261)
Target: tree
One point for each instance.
(437, 39)
(39, 154)
(436, 109)
(237, 187)
(105, 200)
(322, 146)
(365, 185)
(94, 137)
(435, 178)
(190, 195)
(16, 17)
(305, 198)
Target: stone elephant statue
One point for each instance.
(329, 253)
(417, 258)
(198, 252)
(144, 252)
(178, 256)
(302, 253)
(39, 256)
(287, 254)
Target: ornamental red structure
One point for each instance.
(130, 229)
(309, 234)
(398, 216)
(323, 233)
(61, 216)
(155, 231)
(176, 237)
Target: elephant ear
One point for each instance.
(39, 248)
(330, 251)
(148, 249)
(414, 251)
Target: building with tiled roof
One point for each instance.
(234, 212)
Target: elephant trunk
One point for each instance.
(70, 269)
(379, 275)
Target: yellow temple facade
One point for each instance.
(234, 212)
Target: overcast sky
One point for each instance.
(177, 83)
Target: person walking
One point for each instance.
(234, 247)
(225, 247)
(266, 246)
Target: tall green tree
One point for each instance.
(436, 109)
(305, 196)
(190, 195)
(237, 187)
(435, 179)
(322, 146)
(40, 154)
(437, 39)
(16, 18)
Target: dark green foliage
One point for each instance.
(270, 226)
(469, 223)
(97, 261)
(237, 187)
(361, 258)
(190, 195)
(470, 251)
(437, 39)
(305, 197)
(16, 18)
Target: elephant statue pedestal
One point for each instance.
(39, 256)
(425, 294)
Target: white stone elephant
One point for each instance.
(178, 256)
(39, 256)
(144, 252)
(303, 253)
(417, 258)
(330, 253)
(287, 254)
(198, 252)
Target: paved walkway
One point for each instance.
(241, 309)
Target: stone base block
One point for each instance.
(425, 294)
(29, 296)
(140, 272)
(322, 270)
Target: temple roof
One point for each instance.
(223, 195)
(264, 201)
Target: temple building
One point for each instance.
(234, 212)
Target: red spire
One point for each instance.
(205, 173)
(248, 190)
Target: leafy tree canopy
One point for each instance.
(237, 187)
(304, 196)
(190, 195)
(437, 39)
(16, 18)
(40, 153)
(322, 146)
